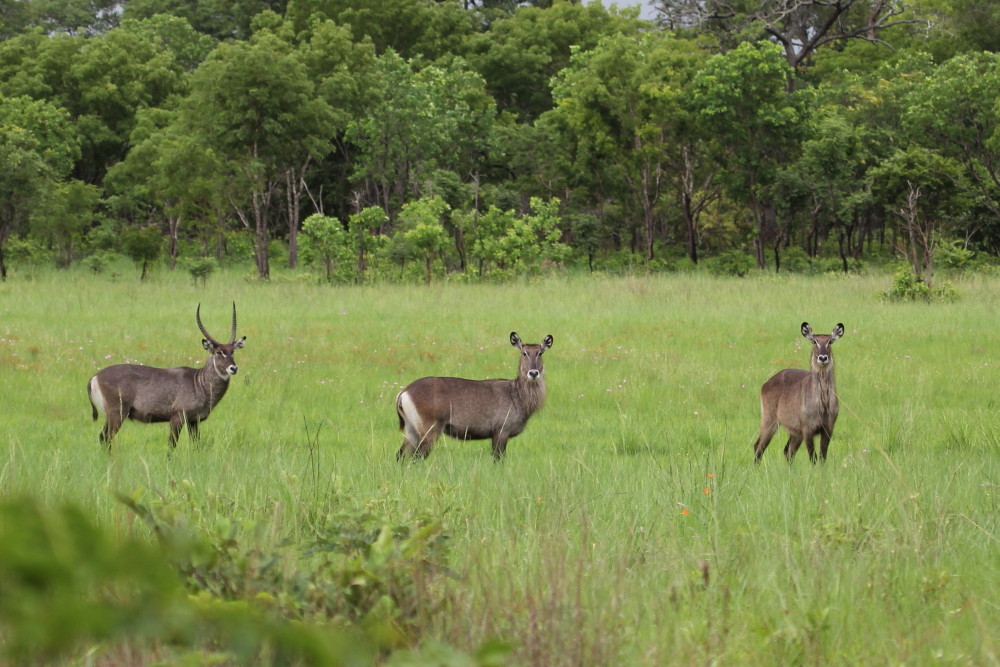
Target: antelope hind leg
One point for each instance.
(111, 426)
(793, 445)
(811, 447)
(763, 440)
(423, 448)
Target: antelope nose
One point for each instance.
(533, 374)
(233, 369)
(822, 358)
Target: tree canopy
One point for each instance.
(519, 136)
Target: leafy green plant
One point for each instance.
(907, 286)
(359, 569)
(328, 240)
(26, 251)
(64, 583)
(732, 263)
(143, 245)
(202, 268)
(96, 263)
(955, 256)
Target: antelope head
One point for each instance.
(531, 357)
(822, 356)
(220, 355)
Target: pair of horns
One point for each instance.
(197, 316)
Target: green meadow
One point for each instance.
(628, 524)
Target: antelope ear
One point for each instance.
(807, 331)
(546, 342)
(207, 344)
(838, 331)
(238, 345)
(515, 340)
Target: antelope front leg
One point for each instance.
(499, 446)
(824, 443)
(176, 424)
(193, 431)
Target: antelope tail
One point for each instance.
(93, 406)
(399, 411)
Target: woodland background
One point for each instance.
(413, 139)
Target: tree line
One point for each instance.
(420, 138)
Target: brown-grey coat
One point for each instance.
(804, 402)
(176, 395)
(472, 409)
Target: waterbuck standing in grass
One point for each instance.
(804, 402)
(472, 409)
(176, 395)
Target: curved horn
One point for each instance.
(232, 339)
(197, 317)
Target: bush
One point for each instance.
(955, 256)
(143, 245)
(907, 286)
(239, 246)
(26, 251)
(67, 584)
(202, 269)
(732, 263)
(359, 569)
(95, 263)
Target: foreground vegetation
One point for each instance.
(627, 525)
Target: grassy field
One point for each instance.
(628, 524)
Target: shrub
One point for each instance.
(907, 286)
(143, 245)
(202, 269)
(732, 263)
(95, 263)
(26, 251)
(955, 256)
(359, 568)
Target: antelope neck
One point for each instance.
(215, 367)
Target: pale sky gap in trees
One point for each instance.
(646, 10)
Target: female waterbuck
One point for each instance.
(804, 402)
(176, 395)
(472, 409)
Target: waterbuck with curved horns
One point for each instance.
(175, 395)
(472, 409)
(804, 402)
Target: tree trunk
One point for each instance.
(173, 227)
(260, 202)
(5, 229)
(758, 243)
(647, 211)
(293, 222)
(770, 229)
(689, 224)
(295, 183)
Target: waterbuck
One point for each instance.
(472, 409)
(176, 395)
(804, 402)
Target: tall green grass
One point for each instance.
(628, 524)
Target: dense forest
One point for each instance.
(414, 139)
